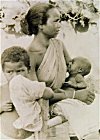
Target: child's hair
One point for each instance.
(15, 54)
(84, 64)
(37, 15)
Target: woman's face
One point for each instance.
(52, 26)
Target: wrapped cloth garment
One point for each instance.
(53, 68)
(24, 94)
(83, 118)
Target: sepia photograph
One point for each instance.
(49, 69)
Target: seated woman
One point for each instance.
(48, 55)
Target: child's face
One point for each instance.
(74, 66)
(12, 69)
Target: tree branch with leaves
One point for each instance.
(79, 13)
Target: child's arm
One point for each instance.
(48, 93)
(6, 107)
(56, 121)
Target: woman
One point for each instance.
(48, 55)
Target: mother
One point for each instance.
(48, 55)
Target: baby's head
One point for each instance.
(79, 65)
(15, 61)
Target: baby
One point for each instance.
(78, 68)
(24, 93)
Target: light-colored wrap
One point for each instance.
(53, 67)
(24, 95)
(83, 118)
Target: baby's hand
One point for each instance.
(67, 84)
(7, 107)
(70, 84)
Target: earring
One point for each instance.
(41, 27)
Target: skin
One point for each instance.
(40, 45)
(74, 67)
(13, 69)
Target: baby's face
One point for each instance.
(12, 69)
(73, 66)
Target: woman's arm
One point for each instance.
(66, 55)
(68, 93)
(32, 73)
(84, 95)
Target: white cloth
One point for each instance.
(3, 137)
(24, 94)
(83, 118)
(53, 68)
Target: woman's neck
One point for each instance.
(42, 39)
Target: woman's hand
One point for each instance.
(6, 107)
(85, 95)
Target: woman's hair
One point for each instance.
(15, 54)
(37, 15)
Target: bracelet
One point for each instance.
(73, 95)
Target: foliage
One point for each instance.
(80, 14)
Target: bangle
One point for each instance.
(73, 95)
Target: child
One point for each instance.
(78, 68)
(24, 93)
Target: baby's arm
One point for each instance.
(71, 83)
(81, 84)
(77, 82)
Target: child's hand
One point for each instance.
(48, 93)
(7, 107)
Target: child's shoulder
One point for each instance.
(4, 86)
(4, 91)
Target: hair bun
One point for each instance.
(24, 26)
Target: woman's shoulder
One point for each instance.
(57, 40)
(58, 43)
(35, 48)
